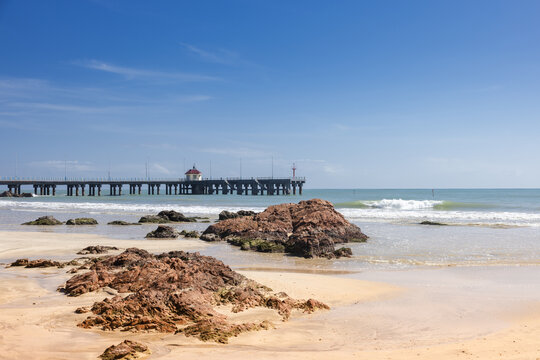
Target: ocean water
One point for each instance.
(485, 226)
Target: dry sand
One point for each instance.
(37, 322)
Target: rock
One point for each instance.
(308, 229)
(175, 216)
(20, 262)
(82, 221)
(96, 249)
(10, 194)
(342, 252)
(126, 350)
(40, 263)
(166, 216)
(177, 292)
(427, 222)
(153, 219)
(257, 245)
(224, 215)
(44, 220)
(163, 232)
(121, 222)
(190, 234)
(210, 237)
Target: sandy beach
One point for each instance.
(364, 321)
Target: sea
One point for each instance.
(481, 227)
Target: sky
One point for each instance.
(358, 94)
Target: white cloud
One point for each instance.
(132, 73)
(220, 57)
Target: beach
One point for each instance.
(444, 313)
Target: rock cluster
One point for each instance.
(126, 350)
(44, 220)
(43, 263)
(308, 229)
(82, 221)
(96, 249)
(165, 217)
(10, 194)
(224, 215)
(163, 232)
(176, 292)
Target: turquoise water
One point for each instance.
(504, 207)
(486, 227)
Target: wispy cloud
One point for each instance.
(219, 56)
(160, 169)
(135, 73)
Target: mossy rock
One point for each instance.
(434, 223)
(259, 245)
(121, 222)
(358, 240)
(44, 220)
(82, 221)
(190, 234)
(154, 219)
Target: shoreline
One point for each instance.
(369, 309)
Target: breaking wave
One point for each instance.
(107, 208)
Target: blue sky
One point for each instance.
(360, 94)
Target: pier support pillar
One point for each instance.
(300, 189)
(54, 190)
(119, 190)
(158, 186)
(82, 189)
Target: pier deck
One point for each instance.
(93, 187)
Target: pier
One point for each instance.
(115, 187)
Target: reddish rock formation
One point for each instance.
(126, 350)
(309, 228)
(176, 292)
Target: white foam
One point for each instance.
(459, 217)
(400, 204)
(118, 207)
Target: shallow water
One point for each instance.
(488, 227)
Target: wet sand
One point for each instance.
(425, 314)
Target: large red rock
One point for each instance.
(310, 228)
(176, 292)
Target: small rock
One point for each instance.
(163, 232)
(82, 221)
(96, 249)
(427, 222)
(190, 234)
(125, 350)
(121, 222)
